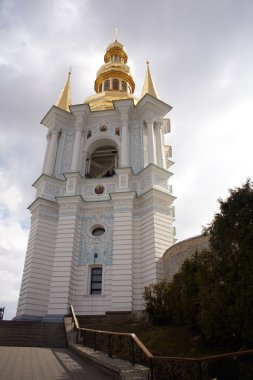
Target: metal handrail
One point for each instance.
(72, 311)
(132, 335)
(151, 359)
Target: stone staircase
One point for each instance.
(32, 334)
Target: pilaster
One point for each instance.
(75, 164)
(122, 270)
(159, 145)
(34, 292)
(49, 169)
(65, 256)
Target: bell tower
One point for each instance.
(102, 216)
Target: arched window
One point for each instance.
(123, 86)
(107, 85)
(100, 88)
(103, 162)
(115, 84)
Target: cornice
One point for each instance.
(41, 202)
(56, 113)
(149, 102)
(49, 178)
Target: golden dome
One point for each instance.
(115, 48)
(113, 80)
(114, 75)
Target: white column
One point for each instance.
(76, 150)
(46, 154)
(159, 146)
(124, 144)
(151, 143)
(52, 152)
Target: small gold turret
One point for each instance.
(115, 75)
(64, 100)
(148, 87)
(113, 80)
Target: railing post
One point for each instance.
(84, 339)
(151, 370)
(200, 370)
(77, 336)
(95, 342)
(133, 354)
(110, 346)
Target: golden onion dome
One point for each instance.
(115, 48)
(113, 80)
(114, 75)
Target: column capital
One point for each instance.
(124, 115)
(149, 118)
(79, 122)
(159, 123)
(55, 130)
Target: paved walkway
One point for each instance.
(33, 363)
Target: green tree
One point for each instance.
(157, 299)
(214, 289)
(184, 293)
(226, 279)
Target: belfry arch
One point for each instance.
(101, 158)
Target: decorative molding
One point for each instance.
(143, 207)
(70, 185)
(136, 148)
(90, 244)
(146, 182)
(123, 205)
(79, 123)
(44, 212)
(134, 186)
(51, 189)
(67, 152)
(110, 188)
(123, 208)
(89, 190)
(161, 182)
(69, 210)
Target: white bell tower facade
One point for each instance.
(103, 213)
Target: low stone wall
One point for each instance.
(174, 257)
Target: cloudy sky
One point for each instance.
(201, 60)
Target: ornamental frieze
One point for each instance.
(96, 247)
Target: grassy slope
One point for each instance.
(171, 341)
(164, 340)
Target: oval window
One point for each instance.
(98, 231)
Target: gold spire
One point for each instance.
(64, 100)
(148, 87)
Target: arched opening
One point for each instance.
(115, 84)
(103, 161)
(106, 85)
